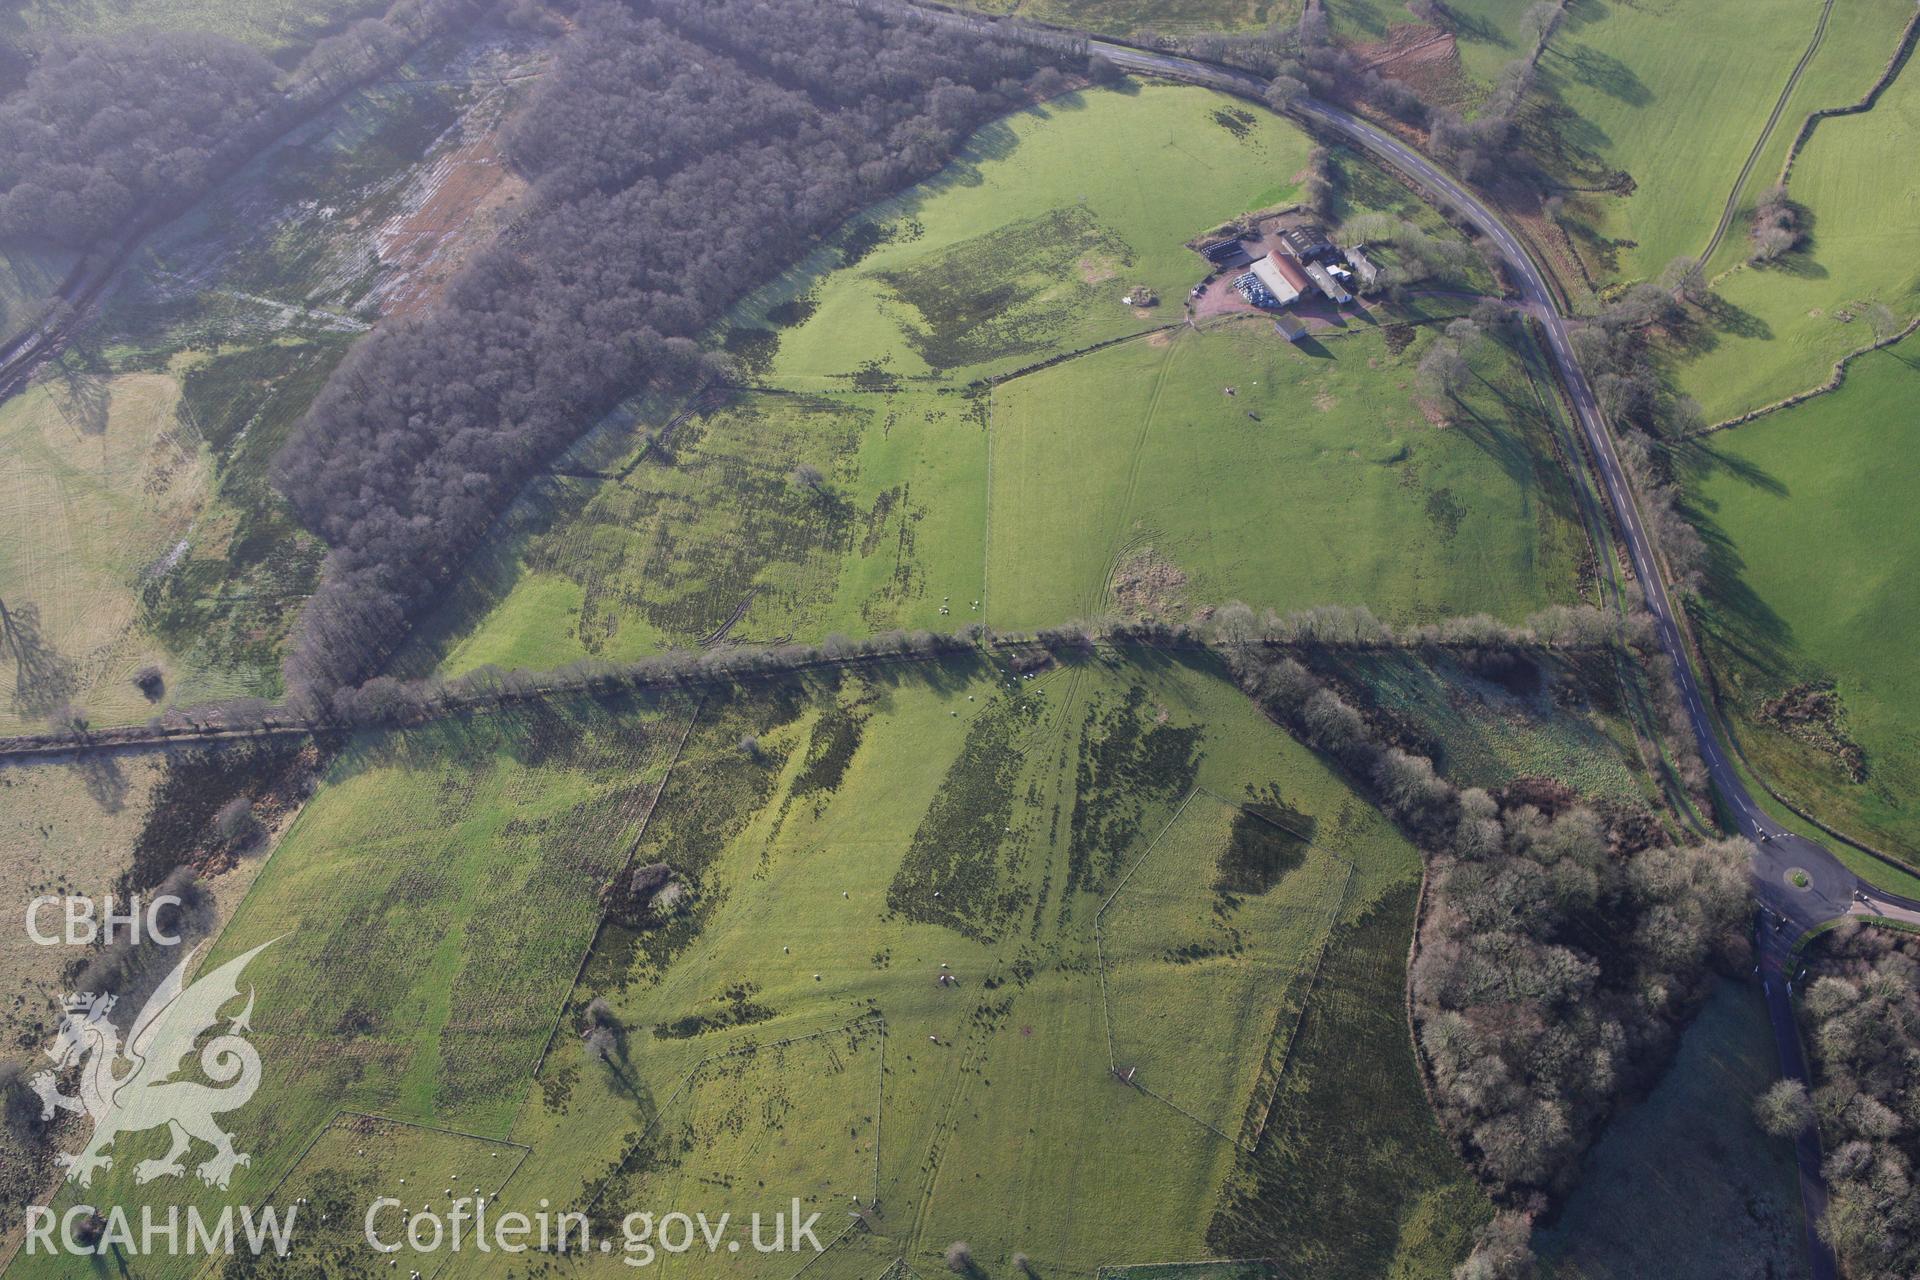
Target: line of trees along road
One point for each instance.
(681, 152)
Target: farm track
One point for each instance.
(1118, 540)
(1766, 133)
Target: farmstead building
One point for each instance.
(1282, 276)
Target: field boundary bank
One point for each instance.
(599, 925)
(1421, 1067)
(1113, 1270)
(1867, 101)
(1000, 379)
(1834, 382)
(1251, 1143)
(132, 738)
(1732, 207)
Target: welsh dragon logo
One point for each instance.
(147, 1096)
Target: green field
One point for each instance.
(1285, 476)
(101, 482)
(1240, 933)
(707, 534)
(1860, 37)
(139, 528)
(64, 827)
(1815, 556)
(1684, 1184)
(1647, 89)
(1523, 718)
(1022, 248)
(1778, 329)
(1644, 123)
(279, 27)
(784, 1033)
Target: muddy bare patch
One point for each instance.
(1147, 585)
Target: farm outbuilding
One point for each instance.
(1282, 277)
(1324, 281)
(1307, 243)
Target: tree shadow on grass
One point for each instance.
(1730, 614)
(45, 680)
(1503, 439)
(105, 782)
(1606, 73)
(81, 391)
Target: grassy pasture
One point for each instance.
(64, 828)
(140, 528)
(1648, 89)
(1778, 329)
(280, 28)
(708, 533)
(887, 825)
(800, 1117)
(1684, 1184)
(677, 525)
(784, 1034)
(1814, 558)
(360, 1158)
(1859, 39)
(1022, 248)
(427, 911)
(102, 482)
(979, 823)
(1250, 932)
(1284, 476)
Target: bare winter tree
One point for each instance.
(1784, 1110)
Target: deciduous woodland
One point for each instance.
(661, 196)
(108, 125)
(107, 129)
(1863, 1013)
